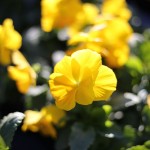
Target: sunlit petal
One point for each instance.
(105, 83)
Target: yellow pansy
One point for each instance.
(43, 121)
(116, 8)
(107, 38)
(22, 72)
(58, 13)
(10, 40)
(81, 78)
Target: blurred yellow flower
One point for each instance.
(58, 13)
(22, 72)
(81, 78)
(117, 8)
(43, 121)
(107, 38)
(10, 40)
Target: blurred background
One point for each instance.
(26, 16)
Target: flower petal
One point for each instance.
(85, 93)
(63, 90)
(88, 59)
(64, 67)
(105, 83)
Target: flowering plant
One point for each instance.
(78, 80)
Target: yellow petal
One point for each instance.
(118, 56)
(17, 74)
(55, 113)
(32, 117)
(46, 128)
(63, 90)
(23, 86)
(13, 39)
(21, 77)
(5, 58)
(67, 101)
(85, 94)
(105, 83)
(64, 67)
(19, 60)
(87, 59)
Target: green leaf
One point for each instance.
(2, 144)
(80, 138)
(9, 125)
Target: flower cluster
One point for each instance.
(106, 36)
(76, 77)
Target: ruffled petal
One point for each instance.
(105, 83)
(63, 90)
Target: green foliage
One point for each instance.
(9, 125)
(146, 146)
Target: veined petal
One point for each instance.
(64, 67)
(63, 90)
(105, 83)
(67, 102)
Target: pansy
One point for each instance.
(44, 121)
(10, 40)
(81, 78)
(22, 72)
(107, 38)
(58, 13)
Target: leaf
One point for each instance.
(9, 125)
(2, 144)
(80, 138)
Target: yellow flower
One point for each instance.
(22, 72)
(116, 8)
(58, 13)
(107, 38)
(81, 78)
(10, 40)
(43, 121)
